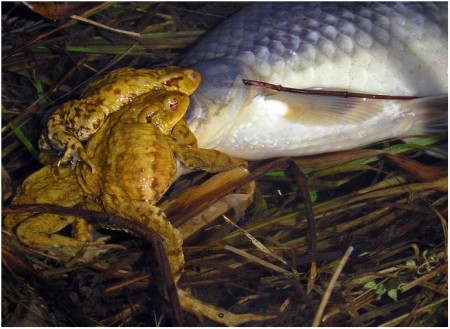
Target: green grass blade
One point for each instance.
(25, 141)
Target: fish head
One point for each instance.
(219, 99)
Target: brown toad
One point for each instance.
(76, 120)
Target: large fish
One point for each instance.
(391, 49)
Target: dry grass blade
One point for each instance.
(426, 277)
(255, 242)
(330, 287)
(422, 310)
(17, 268)
(422, 172)
(88, 21)
(256, 260)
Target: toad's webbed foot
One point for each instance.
(217, 314)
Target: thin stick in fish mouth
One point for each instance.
(322, 92)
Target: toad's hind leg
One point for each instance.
(40, 230)
(51, 185)
(153, 217)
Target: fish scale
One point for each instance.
(394, 48)
(297, 36)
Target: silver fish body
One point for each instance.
(393, 48)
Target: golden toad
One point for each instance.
(135, 160)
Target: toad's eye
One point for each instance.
(193, 76)
(173, 104)
(173, 82)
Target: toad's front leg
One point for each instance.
(208, 160)
(71, 125)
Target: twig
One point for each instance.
(309, 214)
(326, 296)
(321, 92)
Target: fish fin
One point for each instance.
(432, 119)
(324, 110)
(431, 113)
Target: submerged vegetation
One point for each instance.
(355, 238)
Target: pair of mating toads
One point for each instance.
(123, 139)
